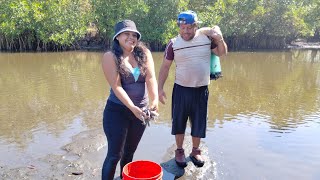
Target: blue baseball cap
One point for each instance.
(188, 17)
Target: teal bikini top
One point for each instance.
(136, 73)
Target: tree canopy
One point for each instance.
(60, 24)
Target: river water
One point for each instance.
(263, 122)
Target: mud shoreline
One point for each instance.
(296, 45)
(304, 45)
(85, 154)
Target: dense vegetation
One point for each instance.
(71, 24)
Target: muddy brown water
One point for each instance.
(263, 122)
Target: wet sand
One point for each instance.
(85, 154)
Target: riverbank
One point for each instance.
(97, 45)
(302, 44)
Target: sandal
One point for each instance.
(180, 158)
(196, 152)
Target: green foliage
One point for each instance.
(58, 21)
(312, 18)
(154, 23)
(108, 12)
(27, 24)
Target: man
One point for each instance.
(191, 51)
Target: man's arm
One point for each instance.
(163, 75)
(216, 35)
(221, 48)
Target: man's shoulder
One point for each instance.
(201, 33)
(172, 40)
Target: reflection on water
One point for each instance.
(60, 94)
(279, 87)
(43, 94)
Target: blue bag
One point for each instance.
(215, 67)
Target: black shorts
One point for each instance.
(192, 103)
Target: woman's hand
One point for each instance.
(154, 105)
(137, 112)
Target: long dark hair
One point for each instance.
(138, 53)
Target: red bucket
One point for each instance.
(138, 170)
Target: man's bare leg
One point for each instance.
(195, 155)
(180, 157)
(179, 140)
(196, 142)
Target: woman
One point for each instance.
(129, 70)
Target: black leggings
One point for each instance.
(124, 132)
